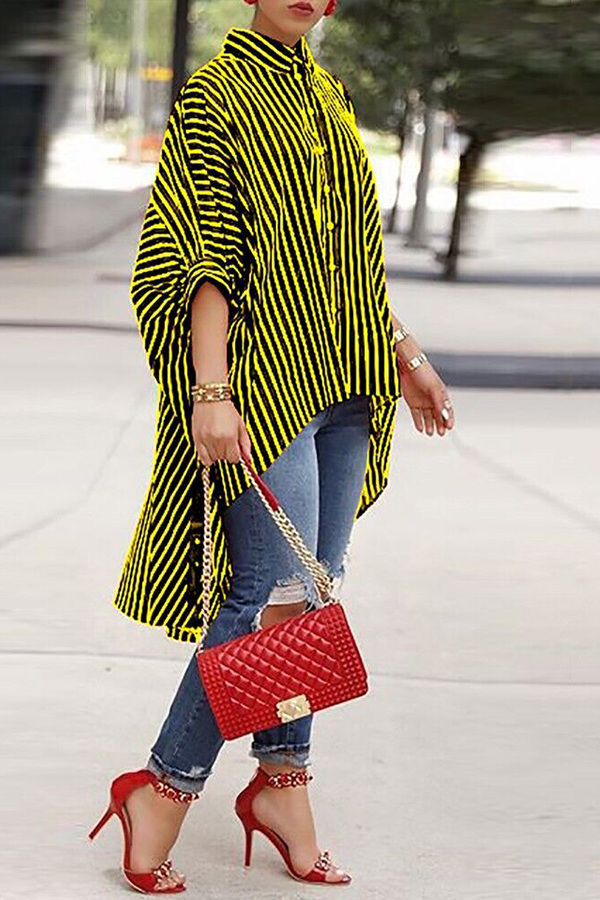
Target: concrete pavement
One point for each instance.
(469, 770)
(524, 312)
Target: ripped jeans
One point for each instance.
(318, 480)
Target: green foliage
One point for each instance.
(385, 49)
(110, 24)
(527, 66)
(503, 66)
(210, 21)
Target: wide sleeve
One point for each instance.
(191, 233)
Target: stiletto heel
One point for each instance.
(248, 852)
(120, 789)
(244, 812)
(109, 812)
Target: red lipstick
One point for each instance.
(302, 7)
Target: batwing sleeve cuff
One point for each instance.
(206, 270)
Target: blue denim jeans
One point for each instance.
(318, 480)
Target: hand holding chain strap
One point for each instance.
(322, 578)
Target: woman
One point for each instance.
(260, 293)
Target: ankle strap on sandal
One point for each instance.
(167, 790)
(289, 779)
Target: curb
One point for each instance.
(475, 370)
(507, 370)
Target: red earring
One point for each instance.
(250, 2)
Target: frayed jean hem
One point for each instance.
(283, 754)
(179, 780)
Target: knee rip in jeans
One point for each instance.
(297, 592)
(337, 574)
(292, 594)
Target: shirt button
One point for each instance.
(297, 75)
(327, 189)
(330, 226)
(332, 267)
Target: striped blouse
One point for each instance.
(264, 188)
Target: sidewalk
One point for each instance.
(524, 312)
(469, 770)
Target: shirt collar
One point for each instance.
(266, 51)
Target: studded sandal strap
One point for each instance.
(289, 779)
(324, 861)
(167, 790)
(163, 869)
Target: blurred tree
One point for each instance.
(523, 67)
(396, 56)
(117, 53)
(210, 20)
(111, 39)
(503, 67)
(527, 67)
(110, 24)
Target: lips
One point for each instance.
(302, 5)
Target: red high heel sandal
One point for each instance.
(243, 808)
(122, 786)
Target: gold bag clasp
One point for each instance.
(293, 708)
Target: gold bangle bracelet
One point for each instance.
(415, 362)
(203, 389)
(211, 391)
(210, 386)
(400, 334)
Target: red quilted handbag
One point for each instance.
(288, 670)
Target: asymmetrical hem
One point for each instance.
(264, 188)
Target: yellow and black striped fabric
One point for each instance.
(265, 189)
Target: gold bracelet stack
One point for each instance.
(211, 391)
(400, 333)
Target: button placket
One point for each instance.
(307, 107)
(331, 225)
(324, 198)
(317, 149)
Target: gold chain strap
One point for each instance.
(322, 578)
